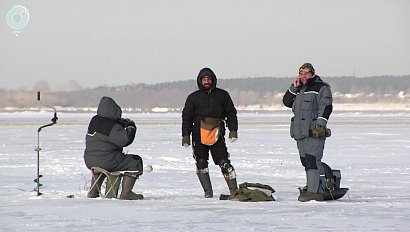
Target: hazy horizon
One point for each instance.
(95, 43)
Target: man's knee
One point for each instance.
(137, 157)
(140, 162)
(227, 170)
(201, 163)
(226, 166)
(310, 162)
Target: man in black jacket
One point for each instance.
(204, 116)
(107, 134)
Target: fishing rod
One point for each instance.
(38, 149)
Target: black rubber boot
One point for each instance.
(96, 185)
(232, 185)
(308, 196)
(203, 176)
(128, 182)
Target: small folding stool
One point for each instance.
(112, 184)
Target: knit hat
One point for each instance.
(307, 67)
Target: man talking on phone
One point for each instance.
(311, 101)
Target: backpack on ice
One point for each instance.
(252, 192)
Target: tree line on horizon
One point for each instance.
(244, 92)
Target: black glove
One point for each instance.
(233, 136)
(126, 122)
(186, 140)
(130, 123)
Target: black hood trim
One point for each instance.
(206, 72)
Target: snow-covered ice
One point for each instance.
(371, 150)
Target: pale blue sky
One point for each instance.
(97, 42)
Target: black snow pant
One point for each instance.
(219, 152)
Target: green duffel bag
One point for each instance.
(252, 192)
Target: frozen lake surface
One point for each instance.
(371, 150)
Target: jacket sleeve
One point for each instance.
(121, 136)
(289, 96)
(231, 114)
(187, 116)
(325, 105)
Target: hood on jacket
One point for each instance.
(108, 108)
(206, 72)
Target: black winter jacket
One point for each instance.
(215, 103)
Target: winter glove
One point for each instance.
(186, 140)
(126, 122)
(131, 123)
(328, 132)
(320, 132)
(233, 136)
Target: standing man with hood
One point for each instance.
(107, 135)
(204, 116)
(311, 101)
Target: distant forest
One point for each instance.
(244, 92)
